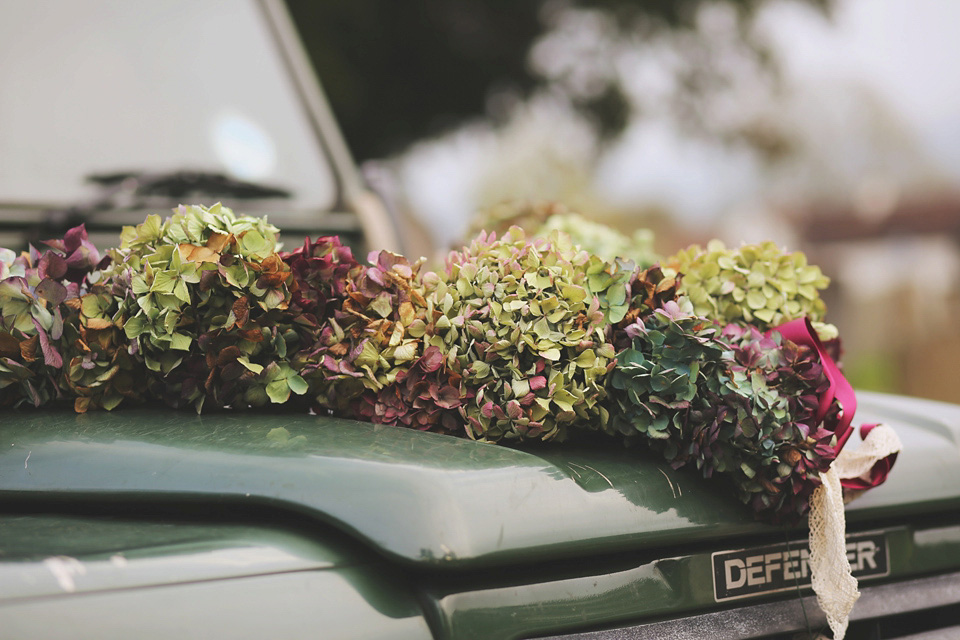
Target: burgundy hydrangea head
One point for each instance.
(38, 298)
(321, 270)
(371, 357)
(786, 382)
(427, 397)
(74, 256)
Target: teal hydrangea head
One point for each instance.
(665, 381)
(738, 404)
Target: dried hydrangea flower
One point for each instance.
(205, 298)
(526, 214)
(101, 366)
(648, 289)
(321, 270)
(781, 449)
(738, 404)
(665, 383)
(365, 343)
(35, 298)
(602, 240)
(541, 219)
(31, 322)
(372, 358)
(758, 284)
(426, 395)
(527, 322)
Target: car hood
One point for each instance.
(432, 499)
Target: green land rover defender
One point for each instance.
(152, 523)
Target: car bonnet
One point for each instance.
(433, 499)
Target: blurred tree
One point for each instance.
(396, 72)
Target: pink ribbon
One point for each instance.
(802, 332)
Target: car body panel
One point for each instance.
(337, 585)
(577, 596)
(425, 498)
(300, 604)
(45, 555)
(81, 576)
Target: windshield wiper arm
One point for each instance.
(131, 190)
(180, 184)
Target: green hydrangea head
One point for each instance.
(527, 319)
(542, 218)
(206, 299)
(602, 240)
(759, 284)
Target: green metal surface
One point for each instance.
(98, 577)
(926, 476)
(44, 555)
(334, 603)
(631, 591)
(432, 499)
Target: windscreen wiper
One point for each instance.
(133, 190)
(183, 184)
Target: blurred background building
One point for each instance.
(830, 127)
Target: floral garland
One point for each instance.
(517, 339)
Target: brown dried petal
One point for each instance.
(99, 323)
(219, 241)
(253, 335)
(193, 253)
(28, 348)
(228, 355)
(241, 311)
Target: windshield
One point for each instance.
(111, 86)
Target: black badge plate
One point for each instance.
(762, 570)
